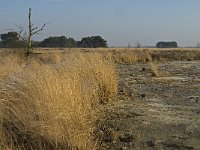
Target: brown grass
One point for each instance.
(52, 100)
(9, 65)
(121, 55)
(153, 66)
(54, 106)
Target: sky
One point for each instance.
(120, 22)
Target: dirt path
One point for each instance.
(154, 112)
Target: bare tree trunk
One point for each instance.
(30, 33)
(30, 28)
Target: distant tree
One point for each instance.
(20, 44)
(98, 41)
(86, 42)
(12, 40)
(138, 45)
(167, 44)
(198, 45)
(60, 41)
(129, 45)
(49, 42)
(92, 42)
(35, 43)
(9, 39)
(71, 43)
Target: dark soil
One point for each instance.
(154, 113)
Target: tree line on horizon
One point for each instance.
(13, 40)
(163, 44)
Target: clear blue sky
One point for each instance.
(118, 21)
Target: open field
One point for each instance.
(101, 99)
(155, 112)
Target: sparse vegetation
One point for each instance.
(56, 98)
(84, 84)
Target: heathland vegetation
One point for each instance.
(69, 99)
(53, 104)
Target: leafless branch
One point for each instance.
(35, 28)
(37, 31)
(9, 29)
(21, 30)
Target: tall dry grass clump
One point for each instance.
(153, 66)
(95, 67)
(55, 106)
(10, 64)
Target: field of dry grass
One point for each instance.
(53, 105)
(121, 55)
(132, 55)
(87, 98)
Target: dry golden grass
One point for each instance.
(9, 65)
(122, 55)
(153, 66)
(52, 100)
(118, 55)
(54, 106)
(125, 57)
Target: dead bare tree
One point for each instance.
(32, 31)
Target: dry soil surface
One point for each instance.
(154, 113)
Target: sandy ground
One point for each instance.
(154, 112)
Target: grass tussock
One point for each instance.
(9, 65)
(54, 106)
(153, 66)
